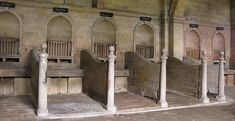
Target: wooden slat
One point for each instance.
(9, 46)
(102, 49)
(193, 53)
(59, 48)
(145, 51)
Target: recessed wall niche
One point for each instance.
(59, 39)
(9, 37)
(218, 45)
(104, 35)
(144, 41)
(193, 45)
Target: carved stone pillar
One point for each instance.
(110, 102)
(42, 93)
(221, 96)
(163, 101)
(204, 90)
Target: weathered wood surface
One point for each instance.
(95, 80)
(101, 50)
(144, 76)
(183, 77)
(13, 70)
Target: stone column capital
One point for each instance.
(221, 55)
(204, 57)
(164, 55)
(111, 55)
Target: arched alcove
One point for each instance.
(218, 45)
(59, 28)
(104, 35)
(9, 25)
(9, 36)
(144, 41)
(193, 45)
(59, 38)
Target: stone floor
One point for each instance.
(20, 109)
(73, 104)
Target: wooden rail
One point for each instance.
(193, 53)
(145, 51)
(59, 48)
(101, 50)
(216, 55)
(9, 46)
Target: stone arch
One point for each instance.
(144, 40)
(59, 34)
(192, 44)
(9, 25)
(59, 28)
(104, 34)
(218, 45)
(10, 32)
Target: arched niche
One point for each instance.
(59, 39)
(193, 45)
(59, 28)
(9, 37)
(144, 40)
(218, 45)
(9, 25)
(104, 35)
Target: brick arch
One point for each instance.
(192, 44)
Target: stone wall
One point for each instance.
(34, 18)
(64, 85)
(207, 15)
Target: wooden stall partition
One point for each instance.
(184, 77)
(95, 80)
(34, 75)
(144, 76)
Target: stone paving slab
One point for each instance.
(62, 108)
(71, 104)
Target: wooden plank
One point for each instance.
(14, 73)
(65, 73)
